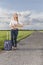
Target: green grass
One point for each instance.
(41, 31)
(21, 35)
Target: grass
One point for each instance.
(21, 35)
(41, 30)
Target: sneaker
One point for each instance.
(12, 47)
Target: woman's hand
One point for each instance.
(19, 25)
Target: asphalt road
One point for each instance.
(29, 52)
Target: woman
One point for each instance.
(14, 24)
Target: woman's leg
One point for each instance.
(15, 41)
(15, 38)
(12, 38)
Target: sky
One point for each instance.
(22, 5)
(29, 11)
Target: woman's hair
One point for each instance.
(15, 16)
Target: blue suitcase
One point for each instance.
(7, 44)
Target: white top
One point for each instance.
(13, 22)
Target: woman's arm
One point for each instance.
(13, 26)
(19, 25)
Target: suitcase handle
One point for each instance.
(8, 35)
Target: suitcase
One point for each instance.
(7, 43)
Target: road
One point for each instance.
(29, 52)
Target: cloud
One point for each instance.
(36, 15)
(24, 16)
(5, 14)
(34, 19)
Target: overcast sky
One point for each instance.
(31, 11)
